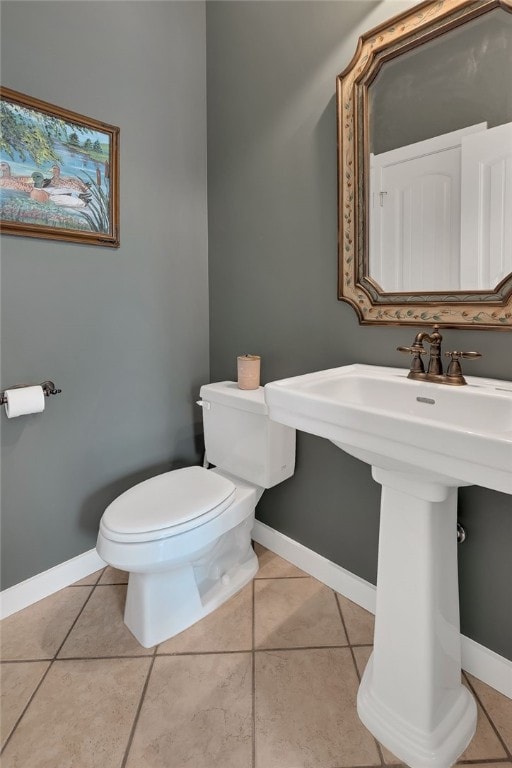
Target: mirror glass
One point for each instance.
(440, 162)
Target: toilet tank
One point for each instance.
(241, 439)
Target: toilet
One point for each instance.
(185, 536)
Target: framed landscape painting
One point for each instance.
(59, 173)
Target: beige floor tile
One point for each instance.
(498, 707)
(306, 711)
(18, 682)
(274, 567)
(485, 745)
(295, 613)
(113, 576)
(505, 764)
(229, 628)
(100, 630)
(359, 623)
(197, 712)
(80, 717)
(37, 632)
(89, 580)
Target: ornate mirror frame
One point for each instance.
(475, 309)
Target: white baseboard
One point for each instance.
(487, 665)
(30, 591)
(479, 661)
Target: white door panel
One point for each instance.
(415, 215)
(486, 208)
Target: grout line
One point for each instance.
(198, 653)
(266, 649)
(495, 729)
(26, 706)
(281, 578)
(102, 571)
(137, 713)
(379, 748)
(26, 661)
(59, 649)
(94, 583)
(374, 765)
(484, 761)
(345, 629)
(148, 655)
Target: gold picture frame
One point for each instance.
(59, 173)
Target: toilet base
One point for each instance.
(162, 604)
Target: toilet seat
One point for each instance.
(166, 505)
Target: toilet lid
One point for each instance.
(167, 504)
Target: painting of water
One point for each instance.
(59, 173)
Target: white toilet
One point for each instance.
(185, 536)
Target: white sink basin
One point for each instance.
(457, 434)
(422, 440)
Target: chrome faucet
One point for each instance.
(434, 371)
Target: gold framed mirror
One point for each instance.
(424, 114)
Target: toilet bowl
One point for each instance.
(185, 536)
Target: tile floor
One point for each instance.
(267, 681)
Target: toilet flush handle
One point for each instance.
(204, 404)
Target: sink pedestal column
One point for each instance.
(411, 697)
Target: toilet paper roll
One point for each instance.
(24, 400)
(248, 369)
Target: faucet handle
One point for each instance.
(416, 351)
(469, 355)
(454, 371)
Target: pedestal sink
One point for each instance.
(423, 440)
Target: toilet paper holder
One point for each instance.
(48, 388)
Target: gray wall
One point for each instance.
(272, 261)
(123, 332)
